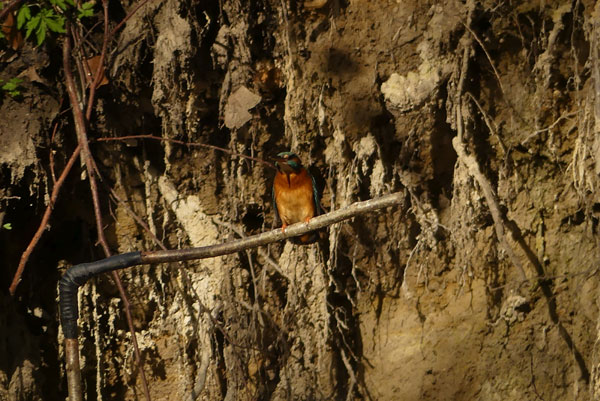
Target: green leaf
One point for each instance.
(32, 24)
(23, 15)
(59, 3)
(56, 24)
(12, 87)
(87, 9)
(12, 84)
(7, 226)
(40, 33)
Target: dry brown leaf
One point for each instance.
(32, 74)
(13, 35)
(91, 67)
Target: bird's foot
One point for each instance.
(283, 227)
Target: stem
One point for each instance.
(129, 15)
(196, 144)
(73, 369)
(44, 223)
(80, 128)
(98, 74)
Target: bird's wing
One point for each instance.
(277, 218)
(315, 195)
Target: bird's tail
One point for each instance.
(306, 239)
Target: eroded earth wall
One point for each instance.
(483, 286)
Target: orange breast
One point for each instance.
(295, 202)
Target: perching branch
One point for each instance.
(80, 274)
(269, 237)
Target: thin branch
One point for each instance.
(82, 68)
(489, 122)
(98, 74)
(44, 223)
(563, 116)
(488, 57)
(78, 275)
(137, 218)
(129, 15)
(9, 7)
(195, 144)
(51, 154)
(80, 129)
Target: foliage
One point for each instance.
(46, 19)
(49, 16)
(11, 87)
(86, 10)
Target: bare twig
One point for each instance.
(564, 116)
(51, 154)
(82, 67)
(73, 369)
(195, 144)
(489, 122)
(137, 219)
(44, 223)
(488, 57)
(129, 15)
(78, 275)
(98, 74)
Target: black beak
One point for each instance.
(278, 159)
(282, 165)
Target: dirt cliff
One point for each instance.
(483, 286)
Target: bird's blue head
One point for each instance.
(288, 162)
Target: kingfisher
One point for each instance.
(295, 194)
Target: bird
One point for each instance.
(295, 194)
